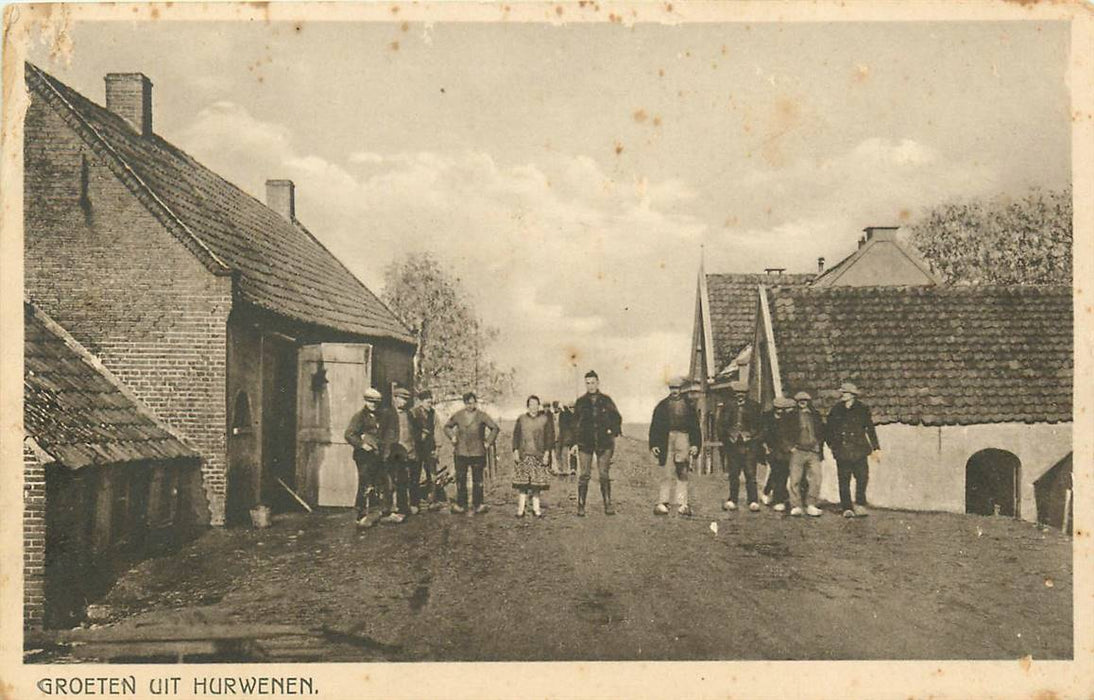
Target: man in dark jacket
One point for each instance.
(741, 431)
(426, 418)
(363, 432)
(400, 450)
(778, 438)
(675, 439)
(596, 425)
(852, 437)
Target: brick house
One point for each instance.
(104, 480)
(202, 299)
(971, 387)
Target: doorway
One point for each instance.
(992, 483)
(278, 421)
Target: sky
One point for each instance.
(573, 176)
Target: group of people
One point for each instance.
(395, 446)
(790, 438)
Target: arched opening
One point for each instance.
(992, 483)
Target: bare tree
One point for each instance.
(452, 340)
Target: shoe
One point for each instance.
(414, 510)
(363, 521)
(393, 519)
(520, 514)
(537, 512)
(766, 499)
(729, 505)
(606, 494)
(684, 510)
(861, 512)
(754, 506)
(813, 511)
(581, 510)
(457, 508)
(661, 509)
(482, 509)
(848, 513)
(779, 507)
(796, 510)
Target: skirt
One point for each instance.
(531, 472)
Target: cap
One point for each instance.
(372, 395)
(676, 381)
(402, 391)
(848, 388)
(783, 402)
(803, 396)
(739, 386)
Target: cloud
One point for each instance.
(568, 259)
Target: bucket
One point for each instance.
(260, 516)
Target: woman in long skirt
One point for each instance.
(533, 440)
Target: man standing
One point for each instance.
(363, 432)
(675, 439)
(426, 418)
(779, 436)
(566, 439)
(853, 439)
(596, 424)
(471, 432)
(399, 435)
(740, 431)
(805, 455)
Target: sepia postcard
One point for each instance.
(564, 350)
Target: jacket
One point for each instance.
(427, 429)
(596, 422)
(566, 427)
(793, 417)
(751, 424)
(851, 433)
(363, 429)
(534, 435)
(660, 427)
(779, 435)
(468, 429)
(390, 439)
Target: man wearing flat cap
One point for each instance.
(675, 439)
(805, 455)
(426, 417)
(778, 438)
(400, 435)
(740, 429)
(853, 439)
(363, 433)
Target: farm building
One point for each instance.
(105, 481)
(725, 313)
(223, 314)
(971, 387)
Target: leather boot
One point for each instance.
(606, 493)
(582, 494)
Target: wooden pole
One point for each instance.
(292, 493)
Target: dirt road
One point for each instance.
(633, 586)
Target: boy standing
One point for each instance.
(471, 432)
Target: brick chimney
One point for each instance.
(820, 265)
(281, 197)
(129, 95)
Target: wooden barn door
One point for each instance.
(331, 378)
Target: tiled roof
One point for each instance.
(281, 267)
(79, 413)
(733, 299)
(931, 355)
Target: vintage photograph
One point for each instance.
(622, 339)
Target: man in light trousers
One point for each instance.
(805, 456)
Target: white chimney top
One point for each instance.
(281, 197)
